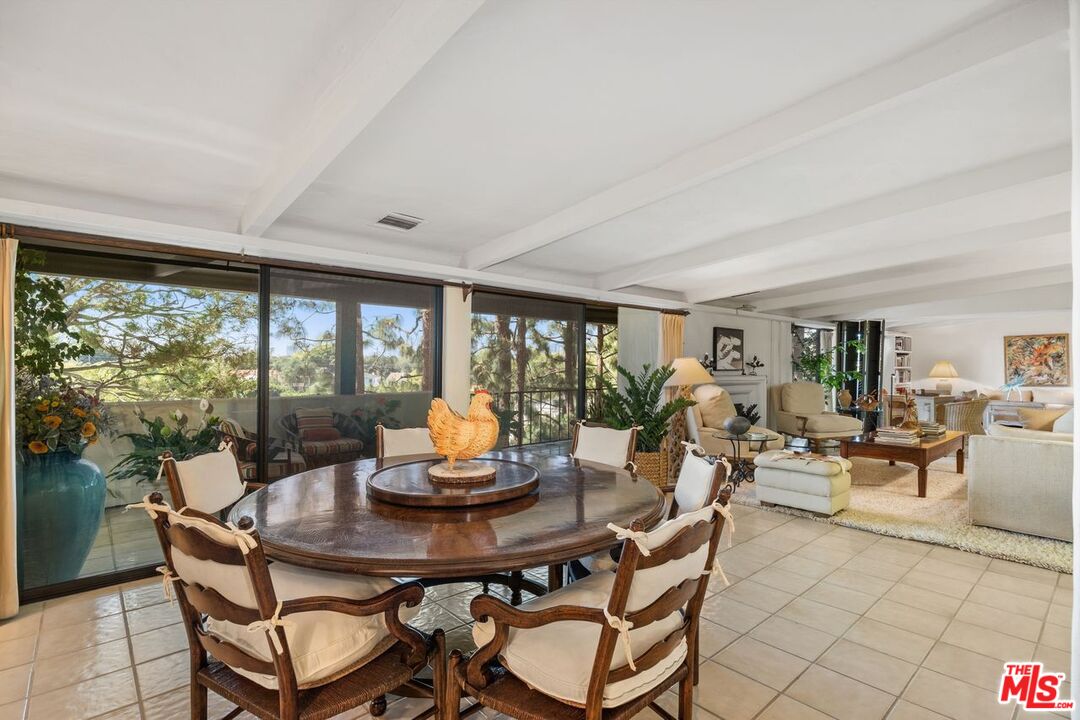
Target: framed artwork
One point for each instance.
(1037, 359)
(728, 348)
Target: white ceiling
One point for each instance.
(841, 158)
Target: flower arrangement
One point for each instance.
(54, 416)
(175, 435)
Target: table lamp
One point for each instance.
(943, 372)
(688, 372)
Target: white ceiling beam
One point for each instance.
(874, 258)
(838, 106)
(412, 36)
(1048, 298)
(1039, 254)
(18, 212)
(773, 238)
(872, 306)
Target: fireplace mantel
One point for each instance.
(747, 390)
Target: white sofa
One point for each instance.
(704, 420)
(1021, 480)
(800, 411)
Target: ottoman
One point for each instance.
(809, 482)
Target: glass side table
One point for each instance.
(742, 468)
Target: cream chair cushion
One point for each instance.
(802, 398)
(557, 658)
(1064, 424)
(1052, 395)
(692, 486)
(406, 441)
(210, 482)
(323, 644)
(714, 405)
(832, 423)
(1040, 418)
(603, 445)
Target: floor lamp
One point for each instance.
(688, 372)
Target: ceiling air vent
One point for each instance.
(400, 221)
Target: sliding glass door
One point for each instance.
(123, 355)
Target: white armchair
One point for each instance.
(800, 411)
(705, 419)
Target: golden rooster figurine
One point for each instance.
(463, 438)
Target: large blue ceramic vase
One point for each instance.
(61, 499)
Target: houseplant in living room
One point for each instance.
(821, 366)
(640, 405)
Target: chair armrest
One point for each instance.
(802, 420)
(251, 486)
(484, 607)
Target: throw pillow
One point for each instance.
(1040, 418)
(715, 409)
(320, 434)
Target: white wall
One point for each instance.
(769, 339)
(975, 348)
(457, 348)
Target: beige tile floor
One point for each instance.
(820, 622)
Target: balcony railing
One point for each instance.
(540, 415)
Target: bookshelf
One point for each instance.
(897, 365)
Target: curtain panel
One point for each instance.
(9, 586)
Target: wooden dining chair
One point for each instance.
(601, 444)
(209, 483)
(604, 647)
(391, 442)
(283, 642)
(700, 479)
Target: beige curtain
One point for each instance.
(671, 336)
(9, 585)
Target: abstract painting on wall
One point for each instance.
(728, 348)
(1037, 359)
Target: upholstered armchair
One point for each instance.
(705, 419)
(800, 411)
(325, 437)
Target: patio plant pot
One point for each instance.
(61, 500)
(654, 466)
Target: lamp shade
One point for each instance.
(943, 369)
(688, 371)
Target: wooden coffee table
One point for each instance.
(921, 455)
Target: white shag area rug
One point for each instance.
(884, 501)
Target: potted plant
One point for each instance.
(822, 365)
(61, 495)
(641, 406)
(158, 435)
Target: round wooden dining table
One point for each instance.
(325, 519)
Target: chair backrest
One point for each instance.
(391, 442)
(222, 573)
(208, 483)
(668, 584)
(316, 424)
(802, 398)
(699, 482)
(595, 443)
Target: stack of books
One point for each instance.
(932, 429)
(896, 436)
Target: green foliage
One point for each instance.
(822, 365)
(43, 340)
(367, 417)
(641, 405)
(179, 438)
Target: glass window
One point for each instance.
(168, 349)
(525, 352)
(346, 354)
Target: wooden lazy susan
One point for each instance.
(413, 484)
